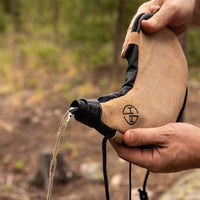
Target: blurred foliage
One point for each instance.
(67, 145)
(92, 26)
(2, 19)
(44, 38)
(86, 27)
(6, 160)
(19, 165)
(193, 46)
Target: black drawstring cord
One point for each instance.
(143, 193)
(104, 152)
(130, 181)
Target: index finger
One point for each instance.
(141, 157)
(147, 7)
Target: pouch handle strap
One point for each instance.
(133, 38)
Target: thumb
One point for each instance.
(142, 136)
(158, 21)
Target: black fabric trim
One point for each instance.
(132, 57)
(131, 74)
(180, 117)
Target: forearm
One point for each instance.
(196, 14)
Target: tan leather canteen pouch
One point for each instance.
(154, 91)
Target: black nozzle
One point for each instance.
(88, 111)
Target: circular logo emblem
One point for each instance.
(130, 114)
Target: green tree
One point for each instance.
(97, 28)
(3, 17)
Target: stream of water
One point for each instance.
(60, 132)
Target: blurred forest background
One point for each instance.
(55, 51)
(54, 37)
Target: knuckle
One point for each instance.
(174, 6)
(166, 133)
(176, 11)
(157, 20)
(144, 7)
(170, 127)
(143, 136)
(140, 136)
(154, 8)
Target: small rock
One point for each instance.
(116, 180)
(57, 112)
(48, 113)
(35, 120)
(9, 180)
(187, 188)
(92, 171)
(38, 111)
(25, 118)
(63, 173)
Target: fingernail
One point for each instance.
(122, 53)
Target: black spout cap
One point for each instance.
(88, 111)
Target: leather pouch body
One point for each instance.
(154, 91)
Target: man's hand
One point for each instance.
(173, 147)
(177, 14)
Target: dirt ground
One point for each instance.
(25, 131)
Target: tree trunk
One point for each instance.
(7, 5)
(16, 12)
(118, 32)
(55, 17)
(40, 11)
